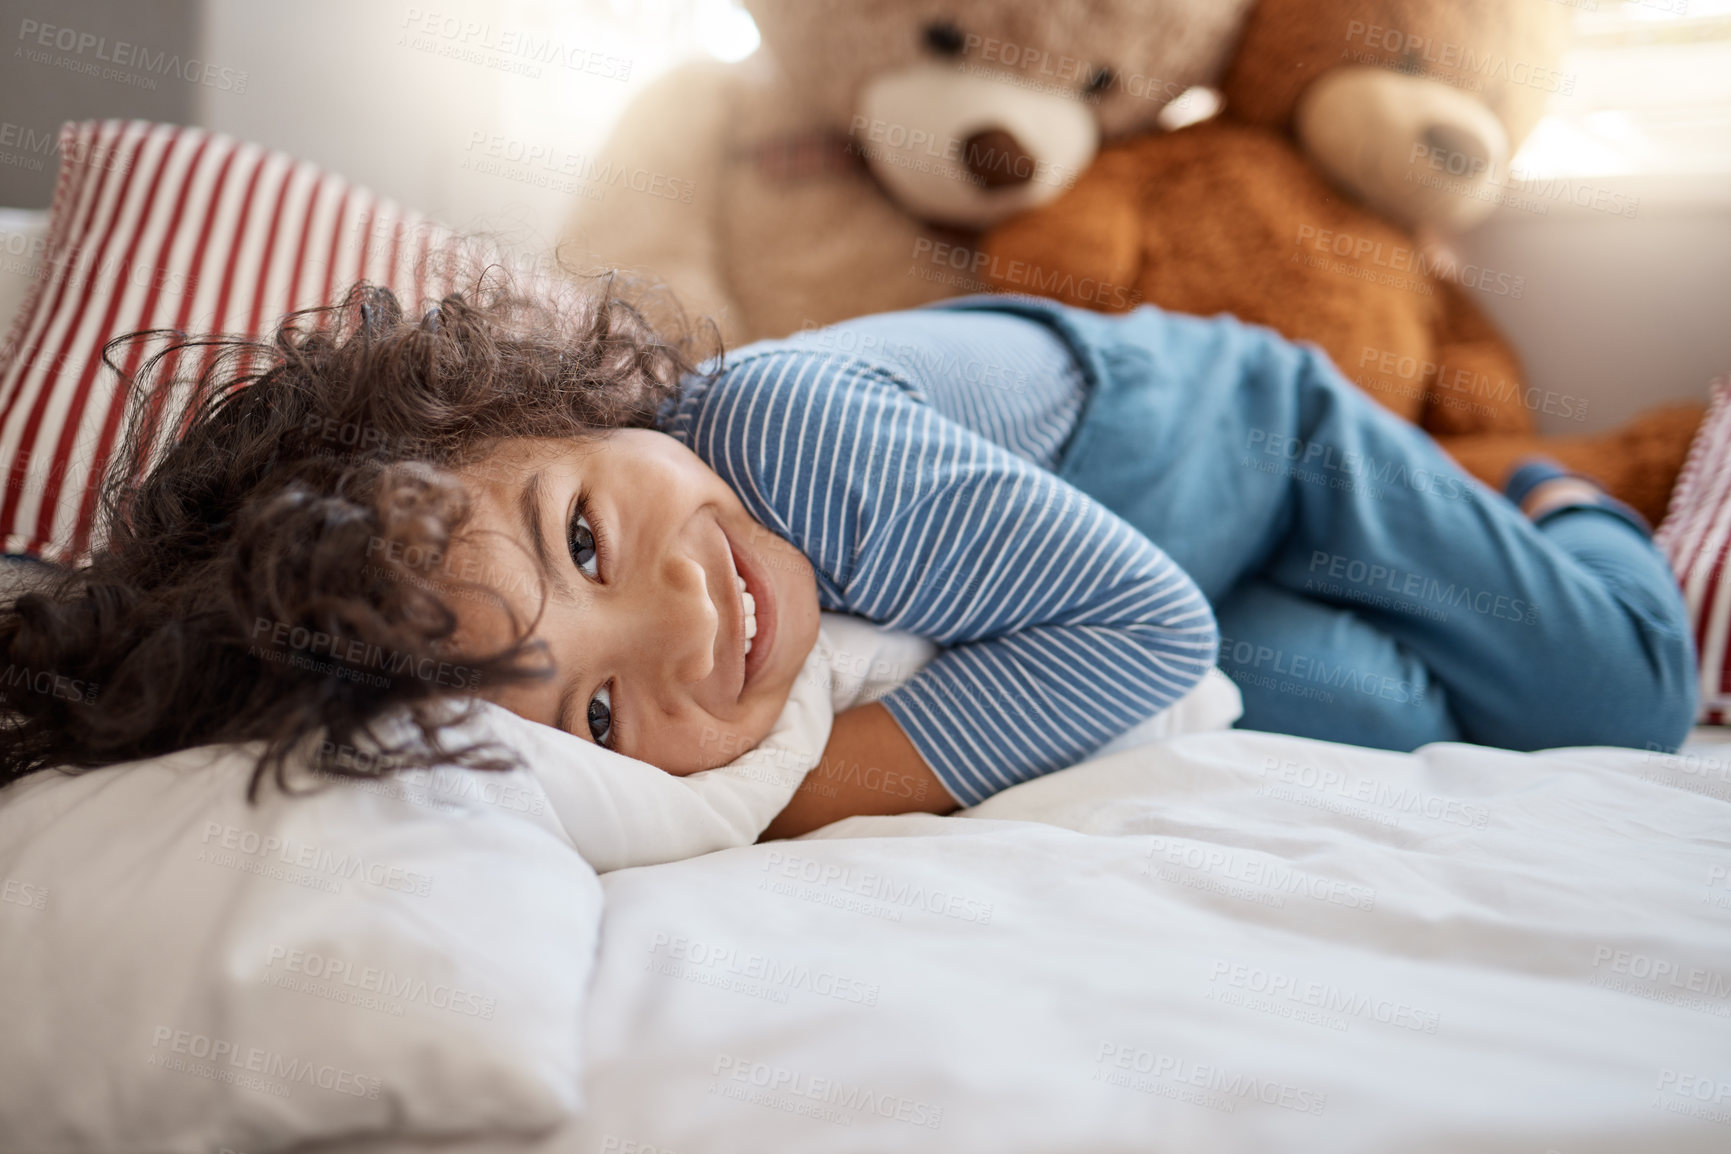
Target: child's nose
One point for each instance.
(682, 621)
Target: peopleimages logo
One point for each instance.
(1418, 587)
(49, 684)
(1663, 972)
(22, 893)
(1200, 1083)
(1015, 275)
(340, 979)
(37, 36)
(1291, 776)
(1387, 472)
(350, 657)
(1267, 882)
(223, 1060)
(694, 959)
(544, 163)
(522, 51)
(895, 893)
(1446, 379)
(1476, 68)
(1424, 265)
(235, 847)
(795, 1089)
(1324, 996)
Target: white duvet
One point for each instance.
(1226, 942)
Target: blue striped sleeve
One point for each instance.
(1061, 626)
(1011, 381)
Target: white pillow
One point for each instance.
(182, 972)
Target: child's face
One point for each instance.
(647, 626)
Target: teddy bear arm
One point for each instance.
(1092, 234)
(670, 140)
(1480, 385)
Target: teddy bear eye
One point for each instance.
(1099, 80)
(944, 38)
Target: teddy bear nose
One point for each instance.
(997, 159)
(1460, 145)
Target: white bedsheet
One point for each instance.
(1232, 941)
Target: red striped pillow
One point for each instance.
(159, 226)
(1696, 536)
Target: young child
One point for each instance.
(548, 500)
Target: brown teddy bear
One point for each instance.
(1349, 128)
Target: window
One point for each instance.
(1650, 99)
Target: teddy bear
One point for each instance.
(847, 166)
(1354, 136)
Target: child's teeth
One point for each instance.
(750, 604)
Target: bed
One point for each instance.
(1222, 941)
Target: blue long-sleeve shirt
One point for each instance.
(908, 456)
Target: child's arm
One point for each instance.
(869, 766)
(1061, 626)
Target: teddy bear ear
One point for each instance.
(1413, 106)
(1285, 44)
(1505, 50)
(1415, 150)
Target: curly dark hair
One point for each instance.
(270, 572)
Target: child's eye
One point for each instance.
(601, 716)
(581, 542)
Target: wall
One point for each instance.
(467, 112)
(103, 59)
(1622, 313)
